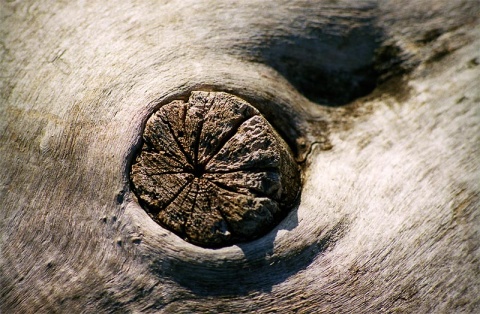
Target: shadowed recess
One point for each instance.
(329, 69)
(259, 270)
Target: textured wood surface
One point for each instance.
(378, 101)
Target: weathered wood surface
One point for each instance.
(388, 218)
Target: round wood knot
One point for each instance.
(214, 171)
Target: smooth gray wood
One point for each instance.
(388, 217)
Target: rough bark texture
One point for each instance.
(378, 99)
(214, 171)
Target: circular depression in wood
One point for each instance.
(214, 171)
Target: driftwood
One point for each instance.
(378, 101)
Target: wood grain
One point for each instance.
(378, 100)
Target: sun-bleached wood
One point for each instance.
(388, 216)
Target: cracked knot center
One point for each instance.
(214, 171)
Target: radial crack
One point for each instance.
(176, 195)
(177, 141)
(225, 140)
